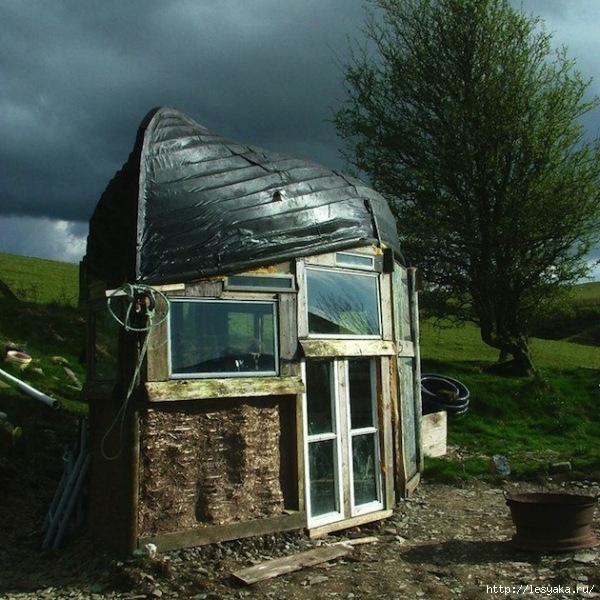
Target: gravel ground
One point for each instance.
(447, 541)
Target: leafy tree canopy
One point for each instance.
(466, 118)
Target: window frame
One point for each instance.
(352, 273)
(226, 374)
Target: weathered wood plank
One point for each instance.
(209, 288)
(369, 539)
(221, 533)
(386, 418)
(288, 335)
(320, 348)
(434, 433)
(233, 387)
(157, 357)
(386, 306)
(406, 348)
(288, 564)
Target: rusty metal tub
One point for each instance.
(552, 521)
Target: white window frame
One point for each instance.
(343, 447)
(351, 272)
(337, 515)
(359, 509)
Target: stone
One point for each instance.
(499, 464)
(560, 467)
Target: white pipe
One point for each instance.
(25, 387)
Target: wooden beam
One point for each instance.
(210, 534)
(357, 521)
(232, 387)
(326, 348)
(434, 433)
(288, 564)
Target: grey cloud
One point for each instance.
(78, 76)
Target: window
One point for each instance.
(359, 261)
(342, 303)
(223, 338)
(264, 283)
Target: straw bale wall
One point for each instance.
(208, 463)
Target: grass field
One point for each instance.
(535, 421)
(39, 280)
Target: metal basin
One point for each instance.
(552, 521)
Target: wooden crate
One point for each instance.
(434, 430)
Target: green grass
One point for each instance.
(533, 422)
(39, 280)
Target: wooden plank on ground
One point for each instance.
(371, 539)
(288, 564)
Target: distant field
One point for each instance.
(588, 291)
(464, 344)
(40, 280)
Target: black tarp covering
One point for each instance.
(190, 204)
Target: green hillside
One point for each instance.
(39, 280)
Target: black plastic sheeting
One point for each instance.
(190, 204)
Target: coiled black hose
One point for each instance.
(439, 392)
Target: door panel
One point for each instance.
(322, 438)
(342, 430)
(364, 435)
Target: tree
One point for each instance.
(465, 118)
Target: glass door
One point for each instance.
(363, 436)
(324, 493)
(343, 460)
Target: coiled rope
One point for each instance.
(141, 302)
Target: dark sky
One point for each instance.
(77, 77)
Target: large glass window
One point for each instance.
(342, 303)
(223, 338)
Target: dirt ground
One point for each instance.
(447, 541)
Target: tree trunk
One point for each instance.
(515, 346)
(522, 363)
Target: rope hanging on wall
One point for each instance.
(140, 316)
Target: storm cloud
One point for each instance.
(78, 77)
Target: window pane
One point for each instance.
(223, 337)
(318, 396)
(262, 282)
(323, 495)
(364, 471)
(355, 260)
(342, 303)
(361, 393)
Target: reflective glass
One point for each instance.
(342, 303)
(223, 338)
(361, 393)
(364, 469)
(318, 396)
(323, 487)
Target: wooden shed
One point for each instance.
(252, 339)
